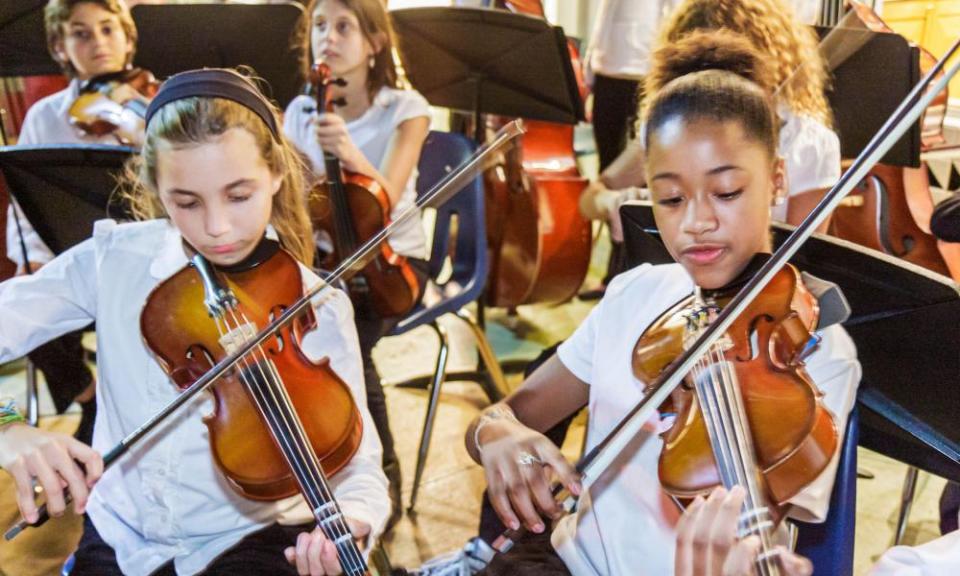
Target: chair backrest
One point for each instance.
(442, 153)
(830, 545)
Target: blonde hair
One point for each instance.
(376, 28)
(57, 13)
(199, 120)
(771, 25)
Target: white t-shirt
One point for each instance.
(625, 522)
(811, 153)
(624, 32)
(940, 557)
(46, 122)
(371, 133)
(167, 498)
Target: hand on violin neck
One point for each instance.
(52, 460)
(520, 465)
(316, 555)
(707, 542)
(333, 138)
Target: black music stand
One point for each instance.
(905, 321)
(866, 88)
(62, 190)
(489, 62)
(23, 42)
(179, 37)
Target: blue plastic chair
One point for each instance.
(460, 246)
(829, 545)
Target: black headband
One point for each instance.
(214, 83)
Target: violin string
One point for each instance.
(270, 411)
(309, 487)
(745, 463)
(312, 478)
(317, 480)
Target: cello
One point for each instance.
(539, 243)
(890, 209)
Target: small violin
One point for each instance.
(350, 208)
(114, 103)
(747, 414)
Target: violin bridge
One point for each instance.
(232, 340)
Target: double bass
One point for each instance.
(539, 243)
(890, 209)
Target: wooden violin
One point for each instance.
(349, 209)
(539, 243)
(114, 103)
(748, 414)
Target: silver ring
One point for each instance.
(528, 459)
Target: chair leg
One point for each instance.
(33, 395)
(906, 503)
(434, 401)
(496, 386)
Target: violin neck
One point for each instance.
(718, 392)
(345, 239)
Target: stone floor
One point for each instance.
(446, 512)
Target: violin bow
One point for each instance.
(595, 462)
(453, 182)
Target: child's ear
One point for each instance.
(275, 183)
(377, 42)
(61, 52)
(780, 188)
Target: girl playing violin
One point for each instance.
(215, 177)
(808, 145)
(714, 175)
(376, 129)
(88, 38)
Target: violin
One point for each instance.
(539, 243)
(350, 208)
(114, 103)
(747, 414)
(890, 209)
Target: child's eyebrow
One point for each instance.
(724, 168)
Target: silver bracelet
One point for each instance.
(492, 414)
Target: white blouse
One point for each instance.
(167, 499)
(371, 133)
(625, 522)
(46, 122)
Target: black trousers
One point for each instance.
(258, 553)
(615, 104)
(61, 361)
(370, 328)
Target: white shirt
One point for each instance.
(811, 153)
(940, 557)
(371, 133)
(625, 523)
(46, 122)
(167, 499)
(624, 33)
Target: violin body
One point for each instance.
(539, 243)
(388, 283)
(114, 104)
(793, 435)
(186, 343)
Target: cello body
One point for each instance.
(539, 243)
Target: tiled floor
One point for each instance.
(446, 513)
